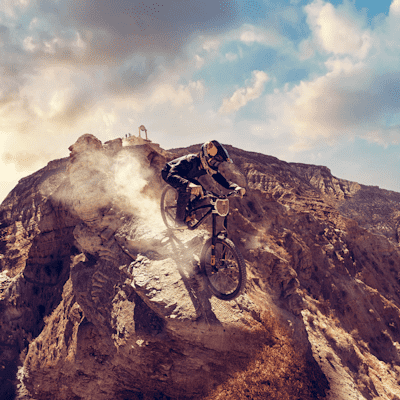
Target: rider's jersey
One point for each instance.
(188, 168)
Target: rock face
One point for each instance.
(99, 301)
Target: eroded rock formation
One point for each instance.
(99, 301)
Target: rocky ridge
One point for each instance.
(99, 301)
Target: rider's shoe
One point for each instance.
(191, 221)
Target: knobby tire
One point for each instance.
(228, 280)
(168, 206)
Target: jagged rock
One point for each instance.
(85, 143)
(99, 301)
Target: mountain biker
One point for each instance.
(182, 172)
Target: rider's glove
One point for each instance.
(241, 191)
(195, 190)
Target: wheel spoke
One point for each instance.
(168, 206)
(171, 211)
(225, 276)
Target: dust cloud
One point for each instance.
(130, 179)
(122, 182)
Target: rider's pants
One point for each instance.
(183, 195)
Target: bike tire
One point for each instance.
(168, 206)
(227, 279)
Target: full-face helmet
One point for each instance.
(213, 153)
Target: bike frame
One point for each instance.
(214, 218)
(215, 234)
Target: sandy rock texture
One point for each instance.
(98, 300)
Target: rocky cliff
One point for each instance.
(99, 301)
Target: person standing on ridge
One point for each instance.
(182, 174)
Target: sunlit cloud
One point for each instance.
(359, 93)
(350, 100)
(59, 94)
(336, 32)
(245, 94)
(395, 8)
(177, 96)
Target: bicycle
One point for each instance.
(221, 262)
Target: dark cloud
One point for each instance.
(132, 76)
(386, 89)
(125, 17)
(135, 40)
(4, 34)
(123, 26)
(367, 104)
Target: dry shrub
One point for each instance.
(277, 371)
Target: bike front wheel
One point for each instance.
(169, 199)
(227, 277)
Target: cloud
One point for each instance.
(211, 44)
(268, 37)
(56, 105)
(290, 14)
(358, 94)
(243, 95)
(199, 61)
(231, 56)
(22, 155)
(104, 48)
(58, 94)
(58, 46)
(12, 7)
(336, 31)
(395, 8)
(177, 96)
(120, 26)
(75, 66)
(41, 109)
(349, 100)
(306, 49)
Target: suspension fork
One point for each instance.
(223, 255)
(226, 225)
(213, 238)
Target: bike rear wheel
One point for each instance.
(169, 198)
(227, 278)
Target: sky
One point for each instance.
(315, 82)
